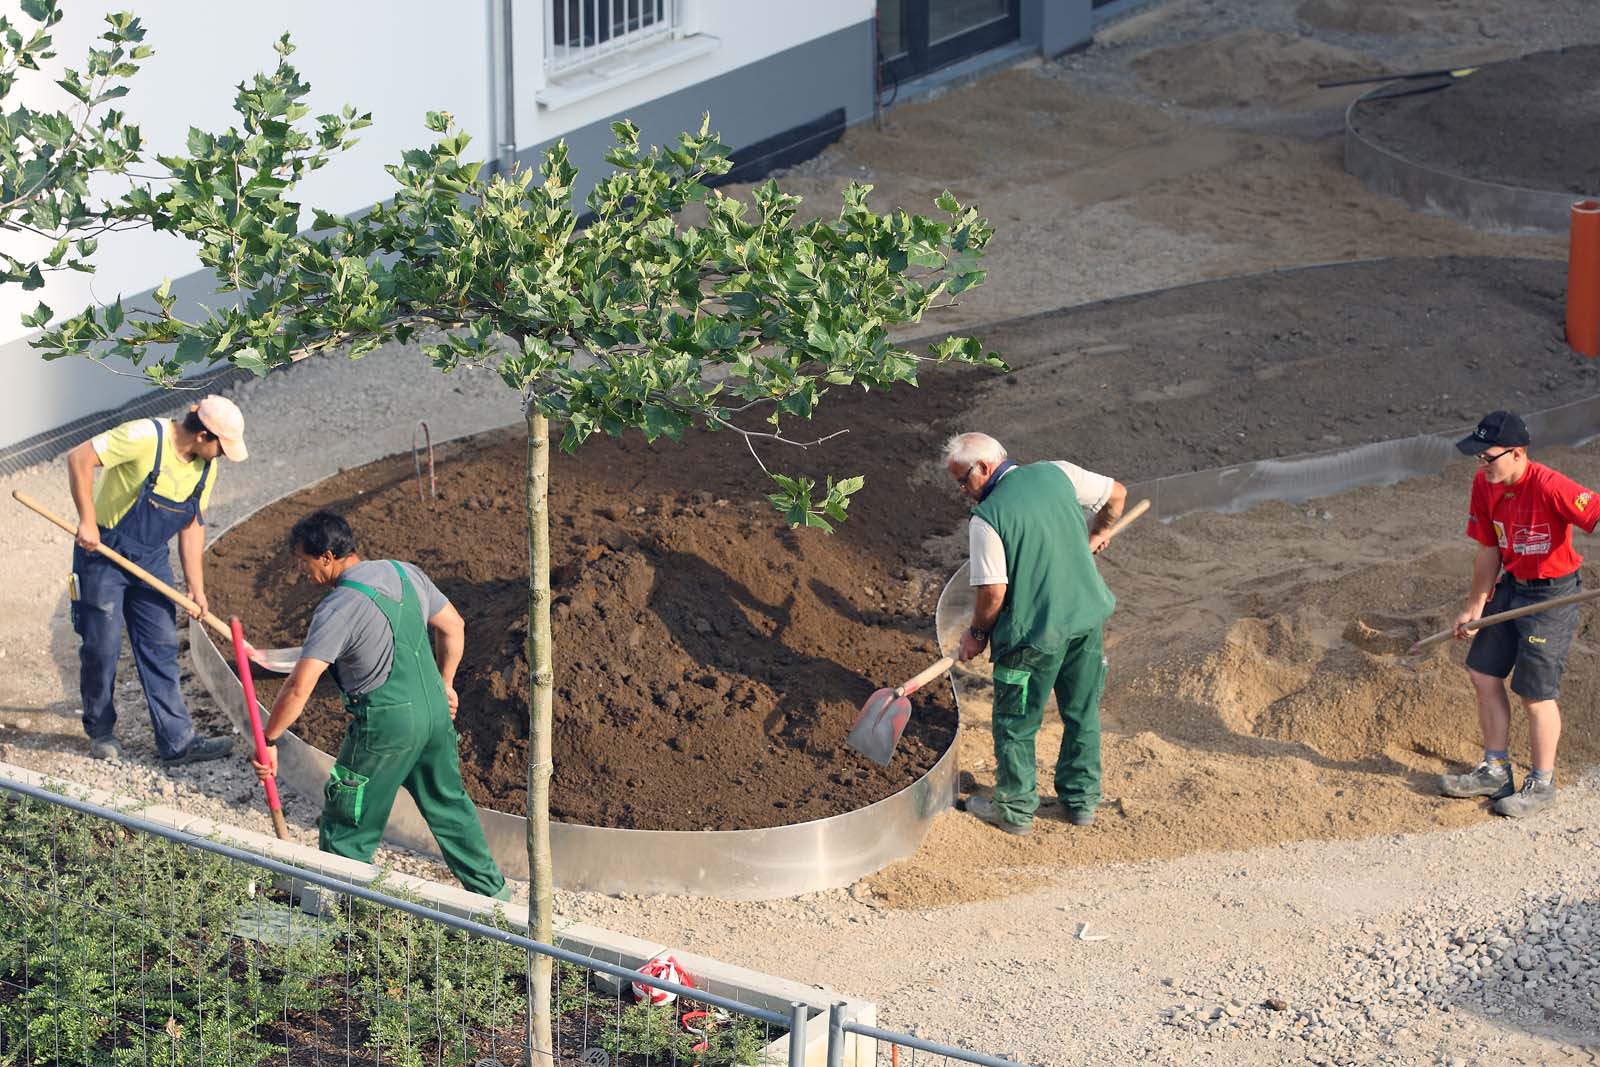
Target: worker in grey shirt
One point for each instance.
(349, 631)
(372, 629)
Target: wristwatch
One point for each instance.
(978, 635)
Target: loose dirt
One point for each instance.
(1239, 68)
(1258, 692)
(710, 662)
(1519, 122)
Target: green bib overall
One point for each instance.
(1047, 639)
(400, 734)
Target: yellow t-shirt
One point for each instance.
(128, 452)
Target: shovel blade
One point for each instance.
(879, 726)
(276, 660)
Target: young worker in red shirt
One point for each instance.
(1522, 514)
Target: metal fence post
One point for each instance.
(836, 1038)
(797, 1034)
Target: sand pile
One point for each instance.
(1257, 693)
(1245, 68)
(1359, 16)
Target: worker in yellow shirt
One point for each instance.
(156, 481)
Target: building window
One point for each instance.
(580, 34)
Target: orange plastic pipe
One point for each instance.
(1583, 279)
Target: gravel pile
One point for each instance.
(1532, 965)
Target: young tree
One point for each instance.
(626, 319)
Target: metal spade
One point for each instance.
(883, 717)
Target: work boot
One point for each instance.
(1484, 780)
(1078, 816)
(1533, 798)
(984, 809)
(202, 749)
(107, 748)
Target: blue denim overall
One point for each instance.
(107, 595)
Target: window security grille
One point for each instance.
(582, 33)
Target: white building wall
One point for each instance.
(397, 59)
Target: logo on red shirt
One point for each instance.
(1531, 540)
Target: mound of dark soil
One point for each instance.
(1528, 122)
(709, 662)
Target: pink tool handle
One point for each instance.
(925, 677)
(250, 707)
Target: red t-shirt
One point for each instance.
(1531, 522)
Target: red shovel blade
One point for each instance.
(877, 729)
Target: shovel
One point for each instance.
(1502, 616)
(241, 657)
(884, 716)
(278, 660)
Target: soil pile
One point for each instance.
(1526, 122)
(709, 662)
(1241, 69)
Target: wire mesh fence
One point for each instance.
(128, 943)
(122, 946)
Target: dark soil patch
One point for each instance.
(709, 662)
(1527, 122)
(1279, 364)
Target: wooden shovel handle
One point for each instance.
(1127, 517)
(926, 676)
(126, 564)
(1503, 616)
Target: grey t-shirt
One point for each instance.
(349, 631)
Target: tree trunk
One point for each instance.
(541, 920)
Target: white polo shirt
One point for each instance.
(986, 553)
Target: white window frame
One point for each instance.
(613, 18)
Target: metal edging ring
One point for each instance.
(1483, 204)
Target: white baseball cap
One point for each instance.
(224, 421)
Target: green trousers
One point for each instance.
(412, 746)
(1023, 682)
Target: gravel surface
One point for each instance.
(1315, 952)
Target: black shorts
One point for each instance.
(1535, 645)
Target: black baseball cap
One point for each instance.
(1499, 429)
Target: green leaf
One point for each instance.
(40, 316)
(249, 359)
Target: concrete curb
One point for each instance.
(712, 975)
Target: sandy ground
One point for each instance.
(1231, 168)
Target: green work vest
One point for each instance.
(1053, 588)
(414, 677)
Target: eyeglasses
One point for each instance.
(1486, 459)
(961, 479)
